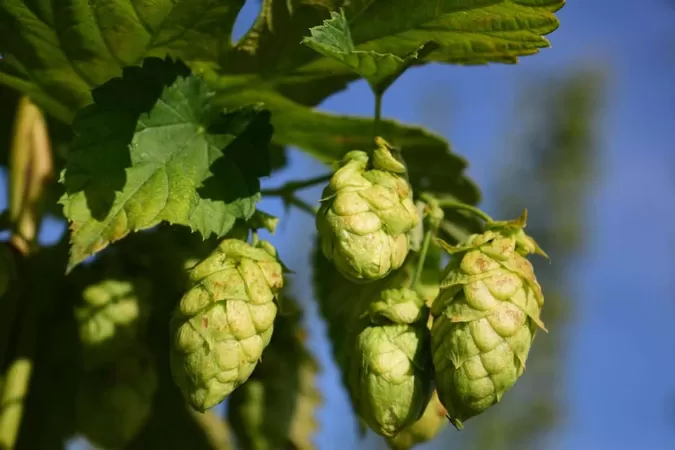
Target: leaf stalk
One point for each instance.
(434, 218)
(454, 204)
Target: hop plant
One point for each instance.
(224, 321)
(275, 408)
(485, 318)
(366, 214)
(390, 376)
(111, 317)
(425, 429)
(114, 402)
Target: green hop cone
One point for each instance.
(425, 429)
(224, 321)
(110, 318)
(485, 318)
(275, 408)
(366, 215)
(114, 402)
(390, 373)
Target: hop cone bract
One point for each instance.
(111, 318)
(275, 408)
(366, 215)
(224, 321)
(390, 369)
(485, 318)
(114, 402)
(425, 429)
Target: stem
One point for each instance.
(294, 200)
(447, 203)
(288, 190)
(378, 112)
(31, 168)
(423, 256)
(293, 186)
(301, 205)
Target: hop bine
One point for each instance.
(366, 215)
(485, 318)
(224, 321)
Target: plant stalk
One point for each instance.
(447, 203)
(423, 256)
(378, 113)
(434, 218)
(31, 168)
(293, 186)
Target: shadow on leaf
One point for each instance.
(100, 152)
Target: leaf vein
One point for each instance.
(104, 39)
(137, 13)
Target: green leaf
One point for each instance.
(150, 149)
(275, 408)
(333, 39)
(466, 31)
(59, 51)
(432, 166)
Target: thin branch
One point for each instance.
(287, 192)
(293, 186)
(302, 205)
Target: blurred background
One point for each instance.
(583, 135)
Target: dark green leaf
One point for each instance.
(59, 51)
(151, 149)
(465, 31)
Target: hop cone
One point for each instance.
(114, 402)
(366, 215)
(275, 408)
(485, 318)
(425, 429)
(111, 318)
(224, 321)
(390, 373)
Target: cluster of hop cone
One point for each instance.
(410, 352)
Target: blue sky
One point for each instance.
(620, 370)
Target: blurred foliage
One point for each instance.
(554, 162)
